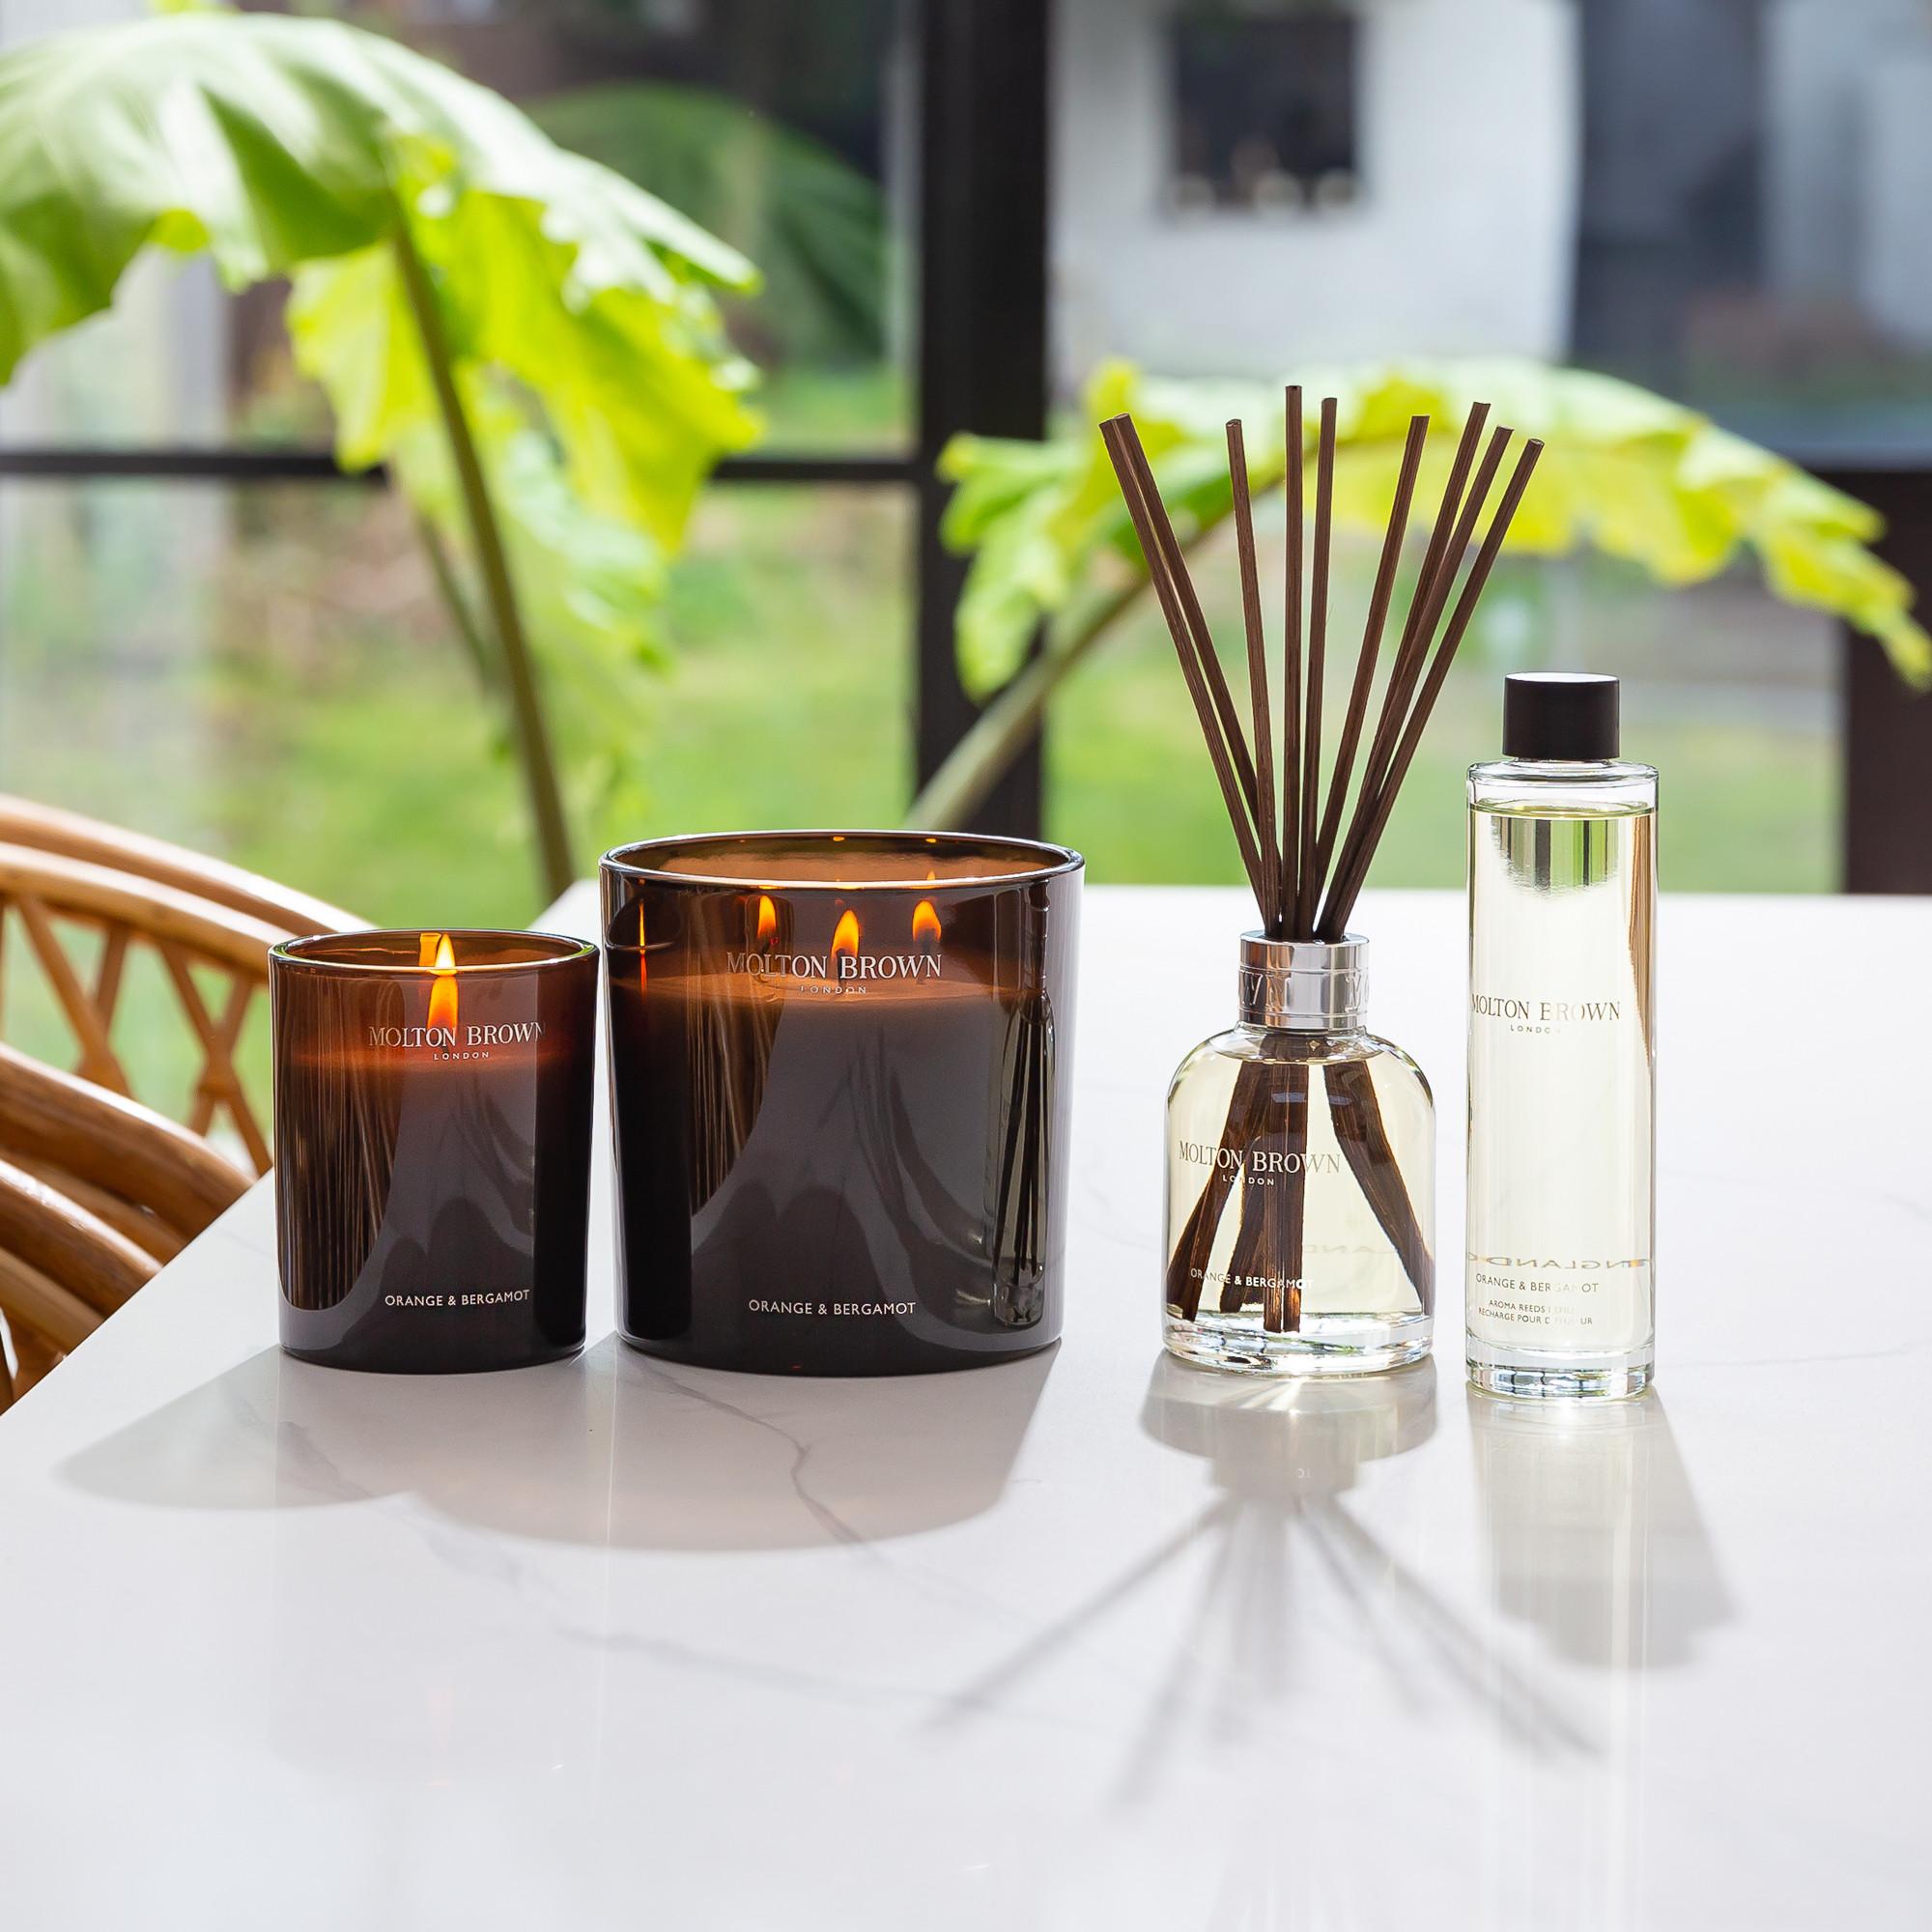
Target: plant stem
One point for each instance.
(456, 601)
(968, 772)
(532, 731)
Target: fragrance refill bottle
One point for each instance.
(1559, 1285)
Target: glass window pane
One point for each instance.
(1750, 231)
(1722, 202)
(1745, 732)
(265, 673)
(784, 128)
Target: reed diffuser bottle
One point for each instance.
(1561, 1282)
(1300, 1148)
(1300, 1177)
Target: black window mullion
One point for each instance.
(225, 464)
(1886, 742)
(983, 316)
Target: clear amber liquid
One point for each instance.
(1301, 1205)
(1560, 1268)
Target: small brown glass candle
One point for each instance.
(841, 1083)
(433, 1096)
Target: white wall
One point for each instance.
(1462, 240)
(1895, 268)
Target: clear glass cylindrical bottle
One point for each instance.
(1300, 1179)
(1560, 1289)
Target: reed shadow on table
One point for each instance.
(1283, 1455)
(614, 1449)
(1593, 1531)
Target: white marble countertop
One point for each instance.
(1088, 1641)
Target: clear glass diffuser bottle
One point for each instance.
(1300, 1179)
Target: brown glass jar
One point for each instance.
(840, 1087)
(433, 1112)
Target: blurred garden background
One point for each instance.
(262, 667)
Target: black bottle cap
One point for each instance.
(1564, 715)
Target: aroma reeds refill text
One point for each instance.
(433, 1096)
(1301, 1150)
(839, 1068)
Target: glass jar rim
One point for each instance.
(307, 954)
(1052, 861)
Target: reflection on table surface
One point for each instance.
(1296, 1594)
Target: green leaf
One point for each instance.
(580, 312)
(1624, 472)
(815, 225)
(590, 586)
(277, 144)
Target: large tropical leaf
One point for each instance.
(814, 225)
(578, 310)
(1625, 471)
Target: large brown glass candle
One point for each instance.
(840, 1086)
(432, 1113)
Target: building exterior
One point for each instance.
(1731, 193)
(1434, 210)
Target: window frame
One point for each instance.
(981, 365)
(979, 354)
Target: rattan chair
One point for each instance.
(59, 872)
(96, 1193)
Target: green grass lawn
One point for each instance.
(331, 736)
(1746, 807)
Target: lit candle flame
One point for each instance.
(768, 922)
(643, 972)
(925, 929)
(846, 940)
(442, 988)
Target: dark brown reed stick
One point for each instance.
(1255, 1255)
(1123, 448)
(1353, 870)
(1275, 898)
(1268, 1242)
(1291, 844)
(1356, 1115)
(1194, 621)
(1413, 642)
(1448, 544)
(1290, 672)
(1318, 647)
(1296, 1211)
(1187, 1266)
(1371, 643)
(1426, 614)
(1197, 622)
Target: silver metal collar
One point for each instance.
(1306, 985)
